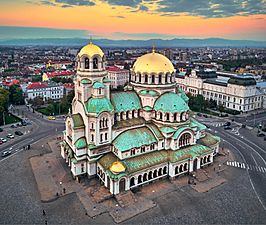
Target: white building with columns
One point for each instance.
(237, 92)
(129, 138)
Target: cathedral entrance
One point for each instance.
(195, 163)
(122, 185)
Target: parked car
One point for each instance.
(261, 135)
(206, 116)
(3, 140)
(19, 133)
(227, 124)
(243, 125)
(227, 128)
(51, 118)
(1, 130)
(13, 126)
(199, 114)
(11, 136)
(6, 153)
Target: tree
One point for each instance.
(38, 101)
(16, 95)
(4, 99)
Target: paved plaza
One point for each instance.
(221, 197)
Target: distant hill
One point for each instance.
(209, 42)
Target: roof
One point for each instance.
(179, 131)
(147, 108)
(98, 105)
(190, 151)
(98, 84)
(134, 138)
(81, 143)
(35, 85)
(150, 159)
(183, 94)
(149, 93)
(69, 85)
(77, 121)
(170, 102)
(243, 81)
(216, 82)
(209, 140)
(167, 130)
(116, 69)
(60, 73)
(91, 50)
(153, 63)
(86, 81)
(124, 101)
(197, 124)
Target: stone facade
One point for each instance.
(132, 137)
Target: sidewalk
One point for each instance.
(53, 177)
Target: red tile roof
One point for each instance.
(9, 82)
(60, 73)
(115, 69)
(35, 85)
(69, 85)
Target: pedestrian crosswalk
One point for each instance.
(246, 166)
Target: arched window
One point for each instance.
(139, 179)
(153, 79)
(167, 117)
(106, 136)
(92, 137)
(132, 181)
(161, 115)
(87, 63)
(175, 117)
(95, 63)
(146, 78)
(166, 78)
(127, 114)
(140, 78)
(160, 78)
(184, 140)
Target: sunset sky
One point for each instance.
(134, 19)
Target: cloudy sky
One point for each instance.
(134, 19)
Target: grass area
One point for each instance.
(9, 118)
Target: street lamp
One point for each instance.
(60, 187)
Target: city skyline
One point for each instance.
(135, 19)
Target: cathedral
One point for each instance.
(132, 137)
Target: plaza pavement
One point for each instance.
(53, 177)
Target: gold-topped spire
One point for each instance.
(90, 39)
(153, 48)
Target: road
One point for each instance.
(252, 151)
(40, 128)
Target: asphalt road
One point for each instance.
(252, 152)
(240, 200)
(40, 128)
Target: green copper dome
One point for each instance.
(170, 102)
(98, 85)
(98, 105)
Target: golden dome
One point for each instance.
(117, 167)
(90, 50)
(153, 63)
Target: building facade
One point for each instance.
(237, 92)
(129, 138)
(118, 76)
(45, 90)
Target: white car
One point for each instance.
(10, 136)
(3, 140)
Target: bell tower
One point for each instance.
(90, 63)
